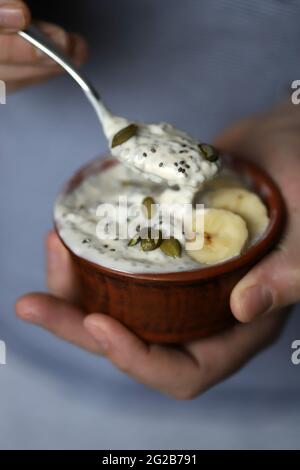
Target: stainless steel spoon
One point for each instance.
(39, 40)
(34, 36)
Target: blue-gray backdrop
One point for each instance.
(200, 64)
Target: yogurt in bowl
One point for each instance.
(227, 232)
(163, 298)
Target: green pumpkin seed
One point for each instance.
(147, 203)
(171, 247)
(148, 243)
(123, 135)
(209, 151)
(135, 240)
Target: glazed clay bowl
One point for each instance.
(182, 306)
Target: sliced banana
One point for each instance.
(223, 180)
(244, 203)
(225, 235)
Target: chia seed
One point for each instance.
(144, 154)
(153, 150)
(161, 164)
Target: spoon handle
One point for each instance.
(39, 40)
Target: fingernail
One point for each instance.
(53, 259)
(60, 40)
(80, 50)
(97, 332)
(11, 18)
(29, 315)
(255, 301)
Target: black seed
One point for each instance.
(183, 145)
(144, 154)
(105, 246)
(176, 164)
(112, 249)
(179, 170)
(183, 170)
(182, 162)
(161, 164)
(187, 166)
(153, 150)
(86, 240)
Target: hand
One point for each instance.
(272, 139)
(182, 372)
(22, 64)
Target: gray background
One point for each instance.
(200, 65)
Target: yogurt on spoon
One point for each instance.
(161, 152)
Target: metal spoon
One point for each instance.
(39, 40)
(106, 118)
(35, 37)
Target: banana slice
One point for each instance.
(225, 235)
(244, 203)
(223, 180)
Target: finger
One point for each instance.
(61, 280)
(14, 85)
(273, 283)
(58, 317)
(222, 355)
(231, 138)
(169, 370)
(18, 76)
(14, 16)
(16, 50)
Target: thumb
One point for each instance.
(232, 138)
(14, 16)
(273, 283)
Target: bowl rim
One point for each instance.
(263, 184)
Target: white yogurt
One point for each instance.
(75, 216)
(162, 152)
(174, 168)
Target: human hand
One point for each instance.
(21, 64)
(272, 140)
(182, 372)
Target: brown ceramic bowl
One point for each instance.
(183, 306)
